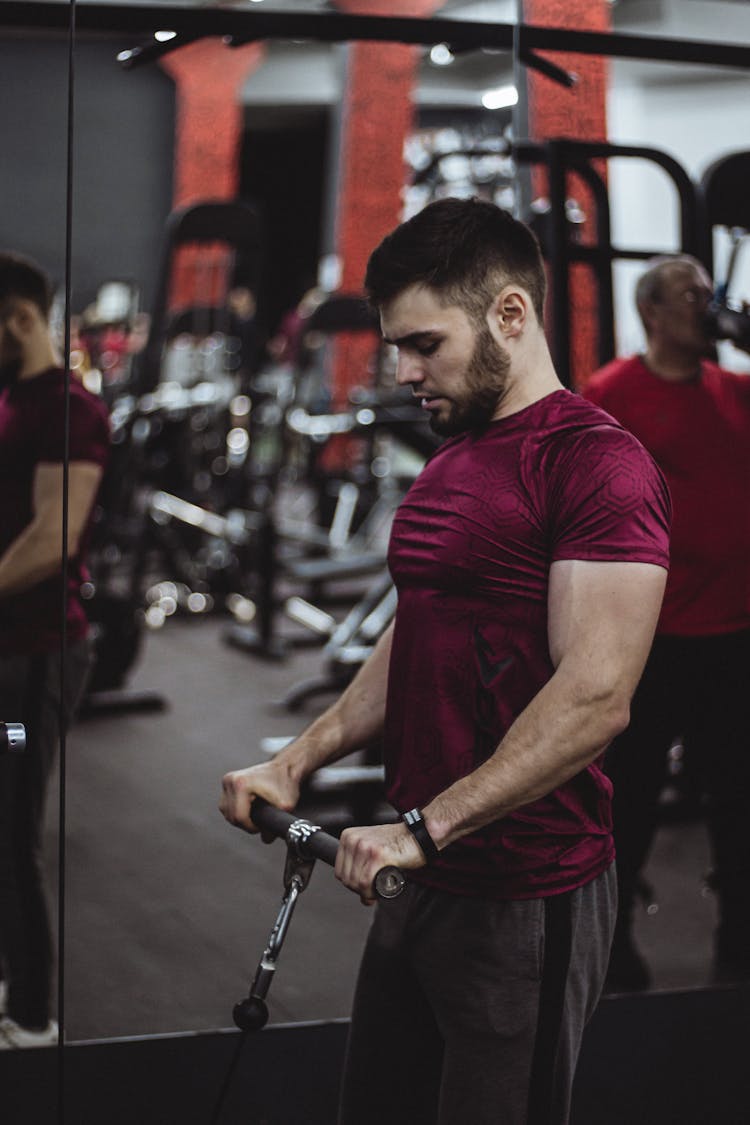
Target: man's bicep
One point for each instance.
(603, 615)
(84, 478)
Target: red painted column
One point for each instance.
(580, 113)
(377, 118)
(208, 76)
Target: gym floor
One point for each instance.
(168, 909)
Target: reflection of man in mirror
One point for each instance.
(529, 558)
(243, 311)
(32, 453)
(694, 418)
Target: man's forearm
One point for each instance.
(351, 723)
(555, 737)
(601, 623)
(560, 733)
(34, 555)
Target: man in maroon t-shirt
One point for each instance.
(530, 559)
(694, 418)
(32, 449)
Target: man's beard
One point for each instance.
(486, 379)
(9, 372)
(11, 359)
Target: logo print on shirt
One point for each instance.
(487, 669)
(486, 732)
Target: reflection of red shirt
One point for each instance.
(699, 434)
(470, 553)
(32, 419)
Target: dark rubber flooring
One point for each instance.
(167, 908)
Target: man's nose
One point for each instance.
(408, 370)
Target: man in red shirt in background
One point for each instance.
(32, 451)
(694, 418)
(529, 558)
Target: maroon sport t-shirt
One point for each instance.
(470, 553)
(32, 431)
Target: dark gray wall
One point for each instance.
(123, 155)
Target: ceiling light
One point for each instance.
(164, 36)
(500, 98)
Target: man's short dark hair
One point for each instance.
(22, 277)
(465, 250)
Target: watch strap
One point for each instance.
(415, 823)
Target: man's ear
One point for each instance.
(647, 313)
(23, 318)
(508, 313)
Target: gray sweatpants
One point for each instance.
(471, 1012)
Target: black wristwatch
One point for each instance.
(416, 825)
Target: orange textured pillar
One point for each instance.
(580, 113)
(377, 117)
(208, 76)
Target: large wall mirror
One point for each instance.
(232, 547)
(168, 908)
(193, 348)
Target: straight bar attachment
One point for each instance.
(310, 842)
(306, 842)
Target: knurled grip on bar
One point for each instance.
(312, 843)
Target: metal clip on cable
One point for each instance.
(306, 842)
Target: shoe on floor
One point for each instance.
(14, 1037)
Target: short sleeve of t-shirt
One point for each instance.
(607, 500)
(89, 428)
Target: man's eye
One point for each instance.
(429, 349)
